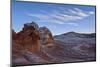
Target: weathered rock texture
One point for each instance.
(27, 45)
(46, 36)
(30, 46)
(29, 37)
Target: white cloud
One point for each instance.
(91, 12)
(78, 10)
(61, 16)
(72, 11)
(51, 21)
(38, 16)
(82, 14)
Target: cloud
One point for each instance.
(73, 24)
(38, 16)
(78, 12)
(61, 15)
(91, 12)
(51, 21)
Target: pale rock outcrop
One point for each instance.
(46, 36)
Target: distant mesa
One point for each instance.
(72, 32)
(81, 35)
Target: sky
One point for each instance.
(59, 18)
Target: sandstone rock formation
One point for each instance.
(29, 37)
(32, 45)
(26, 46)
(46, 36)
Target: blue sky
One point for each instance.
(59, 18)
